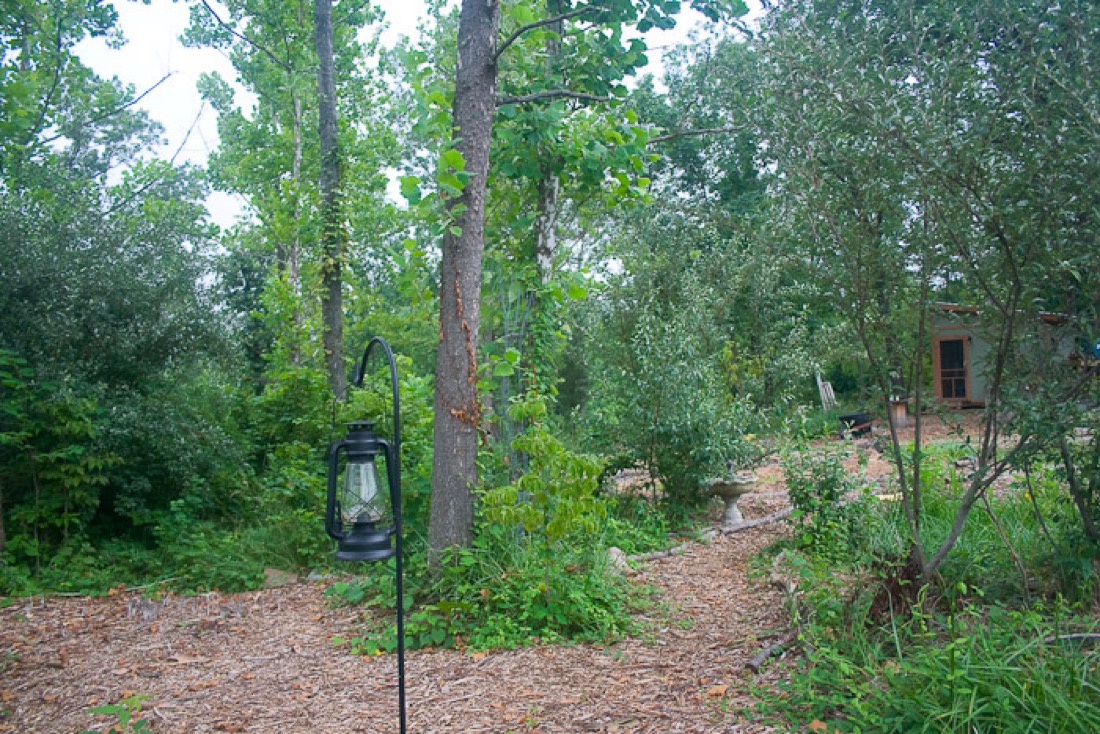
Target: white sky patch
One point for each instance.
(154, 51)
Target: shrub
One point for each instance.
(827, 520)
(499, 593)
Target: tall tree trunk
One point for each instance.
(539, 350)
(332, 225)
(546, 222)
(293, 250)
(457, 410)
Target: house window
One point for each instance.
(953, 368)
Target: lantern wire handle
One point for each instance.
(357, 381)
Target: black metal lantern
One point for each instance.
(359, 512)
(363, 511)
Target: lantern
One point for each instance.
(359, 511)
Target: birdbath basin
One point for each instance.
(730, 490)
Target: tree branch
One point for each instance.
(787, 640)
(62, 61)
(152, 182)
(698, 132)
(553, 94)
(233, 31)
(114, 111)
(537, 24)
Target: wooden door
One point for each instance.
(952, 354)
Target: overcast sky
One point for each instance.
(153, 51)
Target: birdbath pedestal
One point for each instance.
(730, 490)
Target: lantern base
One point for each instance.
(365, 543)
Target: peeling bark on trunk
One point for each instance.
(546, 235)
(332, 230)
(457, 420)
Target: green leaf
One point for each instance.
(410, 189)
(454, 159)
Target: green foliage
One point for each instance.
(501, 592)
(827, 520)
(200, 556)
(54, 466)
(537, 569)
(970, 669)
(992, 645)
(634, 525)
(556, 493)
(127, 715)
(658, 393)
(810, 423)
(924, 153)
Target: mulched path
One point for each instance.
(266, 661)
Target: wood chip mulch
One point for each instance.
(266, 661)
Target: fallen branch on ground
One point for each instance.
(710, 535)
(775, 648)
(1076, 636)
(644, 557)
(766, 520)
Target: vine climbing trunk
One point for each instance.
(332, 229)
(540, 376)
(457, 420)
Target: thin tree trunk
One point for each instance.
(457, 410)
(294, 253)
(546, 222)
(294, 248)
(540, 377)
(1079, 491)
(332, 229)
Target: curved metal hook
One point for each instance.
(360, 373)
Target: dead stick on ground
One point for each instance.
(710, 535)
(776, 647)
(643, 557)
(766, 520)
(1077, 636)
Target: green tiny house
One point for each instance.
(958, 351)
(961, 351)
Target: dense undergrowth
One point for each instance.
(1004, 640)
(503, 592)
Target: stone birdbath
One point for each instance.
(730, 489)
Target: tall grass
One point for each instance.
(1003, 641)
(979, 669)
